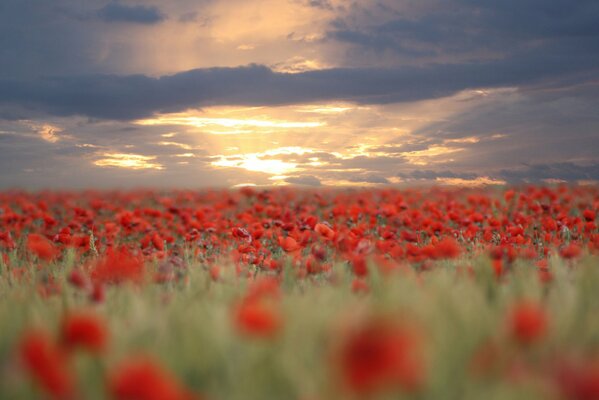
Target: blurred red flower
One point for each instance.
(84, 330)
(118, 266)
(377, 356)
(578, 380)
(141, 378)
(571, 251)
(47, 364)
(289, 244)
(41, 247)
(257, 318)
(527, 322)
(325, 231)
(589, 215)
(447, 248)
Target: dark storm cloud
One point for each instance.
(135, 96)
(525, 173)
(115, 12)
(517, 44)
(561, 171)
(39, 37)
(462, 27)
(368, 178)
(64, 37)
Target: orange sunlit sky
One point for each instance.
(297, 92)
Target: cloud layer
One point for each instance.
(368, 92)
(115, 12)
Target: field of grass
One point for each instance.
(308, 295)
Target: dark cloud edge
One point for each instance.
(138, 14)
(128, 97)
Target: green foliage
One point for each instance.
(188, 327)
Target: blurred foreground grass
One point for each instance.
(459, 314)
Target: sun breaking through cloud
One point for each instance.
(128, 161)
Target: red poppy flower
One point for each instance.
(41, 247)
(117, 267)
(578, 380)
(448, 247)
(325, 231)
(527, 322)
(589, 215)
(377, 356)
(141, 378)
(47, 364)
(78, 279)
(571, 251)
(257, 318)
(84, 330)
(289, 244)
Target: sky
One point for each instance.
(225, 93)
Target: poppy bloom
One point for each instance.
(289, 244)
(41, 247)
(86, 331)
(378, 356)
(527, 323)
(117, 267)
(47, 364)
(98, 293)
(6, 238)
(78, 279)
(141, 378)
(158, 242)
(257, 318)
(325, 231)
(359, 266)
(578, 380)
(589, 215)
(447, 248)
(571, 251)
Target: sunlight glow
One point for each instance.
(423, 157)
(175, 144)
(128, 161)
(247, 184)
(325, 109)
(251, 162)
(47, 132)
(201, 122)
(480, 181)
(465, 140)
(297, 65)
(263, 162)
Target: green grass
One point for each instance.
(188, 328)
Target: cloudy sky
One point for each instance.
(196, 93)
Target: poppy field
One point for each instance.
(254, 294)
